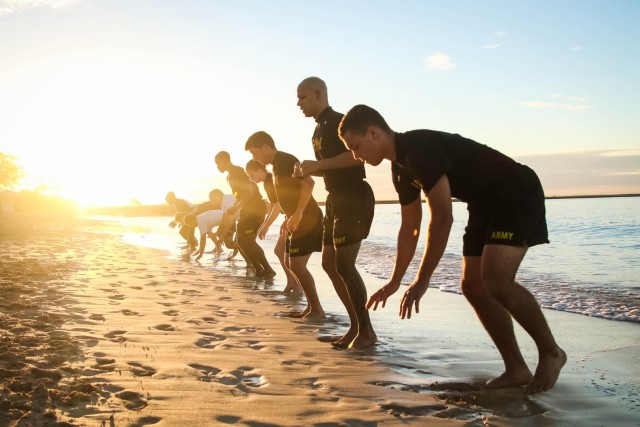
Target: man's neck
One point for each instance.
(321, 110)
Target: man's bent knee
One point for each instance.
(473, 290)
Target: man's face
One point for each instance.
(255, 175)
(261, 154)
(364, 147)
(221, 166)
(308, 101)
(216, 200)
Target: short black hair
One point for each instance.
(359, 118)
(258, 140)
(255, 165)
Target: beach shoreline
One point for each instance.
(98, 331)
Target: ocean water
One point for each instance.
(591, 267)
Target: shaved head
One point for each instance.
(313, 83)
(312, 96)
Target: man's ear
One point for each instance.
(373, 131)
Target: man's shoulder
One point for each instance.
(236, 172)
(283, 156)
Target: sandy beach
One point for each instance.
(98, 332)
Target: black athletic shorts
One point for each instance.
(349, 214)
(251, 218)
(514, 215)
(304, 243)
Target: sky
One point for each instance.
(109, 101)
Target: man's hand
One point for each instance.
(309, 167)
(412, 295)
(297, 172)
(262, 232)
(173, 224)
(382, 294)
(293, 222)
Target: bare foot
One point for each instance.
(314, 315)
(363, 340)
(300, 314)
(297, 314)
(547, 371)
(345, 340)
(269, 274)
(511, 379)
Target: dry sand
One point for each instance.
(101, 333)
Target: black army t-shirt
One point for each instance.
(270, 189)
(288, 190)
(475, 171)
(327, 144)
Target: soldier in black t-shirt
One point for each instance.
(258, 173)
(506, 216)
(303, 224)
(252, 211)
(348, 210)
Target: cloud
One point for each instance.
(621, 153)
(556, 105)
(12, 6)
(439, 61)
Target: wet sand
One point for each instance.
(95, 331)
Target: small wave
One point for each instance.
(589, 299)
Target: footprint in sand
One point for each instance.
(116, 336)
(171, 312)
(140, 370)
(248, 330)
(128, 312)
(165, 327)
(243, 377)
(208, 338)
(97, 317)
(211, 320)
(303, 362)
(117, 297)
(105, 364)
(311, 383)
(256, 345)
(228, 419)
(146, 421)
(168, 304)
(89, 340)
(131, 400)
(206, 373)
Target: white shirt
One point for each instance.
(209, 219)
(228, 200)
